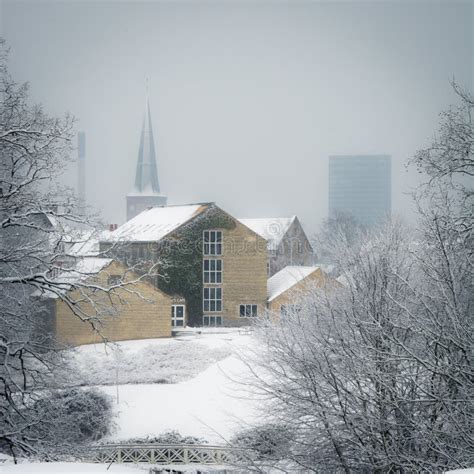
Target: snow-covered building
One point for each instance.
(200, 253)
(287, 241)
(146, 190)
(286, 288)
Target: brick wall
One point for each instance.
(127, 316)
(244, 273)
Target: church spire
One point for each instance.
(146, 178)
(146, 192)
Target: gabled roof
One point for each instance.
(155, 223)
(272, 229)
(287, 278)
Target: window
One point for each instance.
(248, 310)
(212, 300)
(212, 244)
(212, 271)
(212, 320)
(177, 315)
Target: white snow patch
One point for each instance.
(213, 405)
(155, 223)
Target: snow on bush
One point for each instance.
(156, 361)
(168, 437)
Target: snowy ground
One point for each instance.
(69, 467)
(146, 361)
(187, 384)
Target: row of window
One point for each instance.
(246, 311)
(178, 315)
(212, 274)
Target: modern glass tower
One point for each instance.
(360, 186)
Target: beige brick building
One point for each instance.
(209, 258)
(136, 311)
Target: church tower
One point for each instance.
(146, 192)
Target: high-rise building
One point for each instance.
(360, 186)
(146, 191)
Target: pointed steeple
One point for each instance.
(146, 192)
(146, 178)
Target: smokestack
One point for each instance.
(81, 163)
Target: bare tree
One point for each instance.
(449, 164)
(377, 375)
(37, 218)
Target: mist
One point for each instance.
(248, 99)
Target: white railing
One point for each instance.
(164, 454)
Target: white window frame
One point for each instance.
(212, 247)
(210, 320)
(248, 310)
(174, 318)
(213, 290)
(217, 274)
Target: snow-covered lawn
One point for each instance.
(199, 397)
(146, 361)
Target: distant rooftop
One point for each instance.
(287, 278)
(271, 229)
(157, 222)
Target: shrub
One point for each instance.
(168, 437)
(265, 440)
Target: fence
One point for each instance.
(164, 454)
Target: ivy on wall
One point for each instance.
(181, 256)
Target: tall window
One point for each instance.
(212, 299)
(212, 320)
(212, 271)
(248, 310)
(212, 244)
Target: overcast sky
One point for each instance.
(248, 99)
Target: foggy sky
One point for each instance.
(248, 99)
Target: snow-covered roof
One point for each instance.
(83, 269)
(271, 229)
(87, 244)
(155, 223)
(345, 279)
(287, 278)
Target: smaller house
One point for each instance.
(287, 242)
(287, 286)
(137, 310)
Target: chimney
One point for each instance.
(112, 227)
(81, 163)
